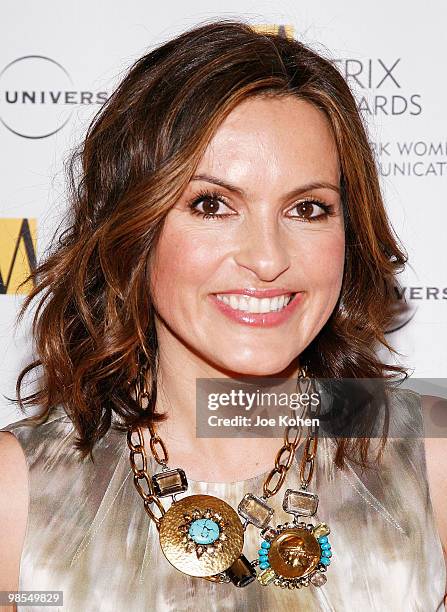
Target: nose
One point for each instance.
(263, 248)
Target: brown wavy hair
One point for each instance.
(95, 317)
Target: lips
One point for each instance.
(262, 319)
(253, 304)
(259, 293)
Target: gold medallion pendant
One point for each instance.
(201, 535)
(294, 555)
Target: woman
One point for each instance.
(227, 222)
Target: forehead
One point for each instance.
(273, 138)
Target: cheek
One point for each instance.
(329, 264)
(322, 260)
(183, 260)
(323, 269)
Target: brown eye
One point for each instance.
(210, 205)
(311, 210)
(305, 209)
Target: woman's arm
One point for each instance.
(436, 458)
(13, 510)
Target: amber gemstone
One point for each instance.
(300, 503)
(321, 530)
(241, 572)
(170, 482)
(266, 576)
(255, 510)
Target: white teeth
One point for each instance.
(243, 303)
(264, 305)
(255, 305)
(234, 302)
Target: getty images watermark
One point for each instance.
(252, 401)
(337, 408)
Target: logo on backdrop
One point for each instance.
(38, 96)
(17, 254)
(409, 292)
(287, 31)
(379, 86)
(404, 308)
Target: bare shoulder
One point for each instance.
(13, 508)
(436, 458)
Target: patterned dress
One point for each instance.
(88, 534)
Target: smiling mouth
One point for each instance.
(255, 305)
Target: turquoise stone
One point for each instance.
(326, 553)
(265, 545)
(325, 561)
(264, 565)
(204, 531)
(326, 546)
(263, 551)
(323, 540)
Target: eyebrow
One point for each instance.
(291, 194)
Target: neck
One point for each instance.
(207, 459)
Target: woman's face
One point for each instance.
(269, 183)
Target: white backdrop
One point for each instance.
(60, 60)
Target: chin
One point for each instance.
(255, 367)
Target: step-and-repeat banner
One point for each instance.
(61, 60)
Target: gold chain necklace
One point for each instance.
(203, 536)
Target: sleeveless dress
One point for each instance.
(88, 534)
